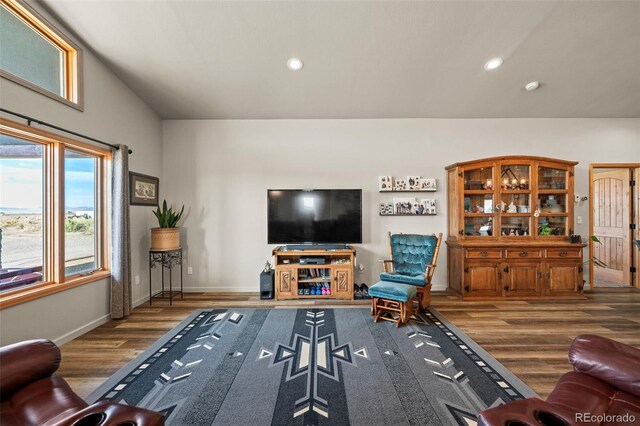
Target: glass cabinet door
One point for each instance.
(478, 179)
(515, 200)
(519, 226)
(552, 204)
(549, 226)
(550, 178)
(515, 177)
(479, 202)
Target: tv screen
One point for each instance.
(319, 216)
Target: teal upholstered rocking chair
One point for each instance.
(413, 261)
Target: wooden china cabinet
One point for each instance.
(509, 223)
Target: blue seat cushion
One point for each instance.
(397, 277)
(393, 291)
(411, 253)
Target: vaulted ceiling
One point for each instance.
(397, 59)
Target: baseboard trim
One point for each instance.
(140, 301)
(252, 289)
(249, 290)
(82, 330)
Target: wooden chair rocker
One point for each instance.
(406, 277)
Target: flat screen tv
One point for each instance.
(319, 216)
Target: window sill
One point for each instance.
(46, 289)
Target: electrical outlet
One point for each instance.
(190, 270)
(137, 279)
(579, 219)
(361, 267)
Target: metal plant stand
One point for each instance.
(165, 259)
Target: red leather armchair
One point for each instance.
(603, 389)
(31, 395)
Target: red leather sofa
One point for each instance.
(603, 389)
(31, 395)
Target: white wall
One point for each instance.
(221, 170)
(112, 113)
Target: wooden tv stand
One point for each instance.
(291, 275)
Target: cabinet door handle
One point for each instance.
(506, 269)
(461, 232)
(547, 275)
(466, 270)
(563, 254)
(580, 269)
(466, 288)
(539, 275)
(484, 253)
(293, 278)
(506, 288)
(500, 275)
(523, 254)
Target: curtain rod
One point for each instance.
(42, 123)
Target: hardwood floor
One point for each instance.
(530, 338)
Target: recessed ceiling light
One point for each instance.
(529, 87)
(492, 64)
(295, 64)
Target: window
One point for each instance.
(37, 55)
(21, 213)
(80, 213)
(52, 230)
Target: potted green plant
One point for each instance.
(167, 235)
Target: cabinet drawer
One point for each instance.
(563, 254)
(524, 254)
(483, 254)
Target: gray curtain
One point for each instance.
(120, 236)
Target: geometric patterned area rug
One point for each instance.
(313, 367)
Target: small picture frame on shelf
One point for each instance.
(488, 206)
(386, 209)
(385, 183)
(427, 184)
(400, 185)
(404, 206)
(413, 182)
(429, 206)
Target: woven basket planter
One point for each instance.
(165, 238)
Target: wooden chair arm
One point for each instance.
(428, 273)
(387, 265)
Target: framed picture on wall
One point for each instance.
(143, 189)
